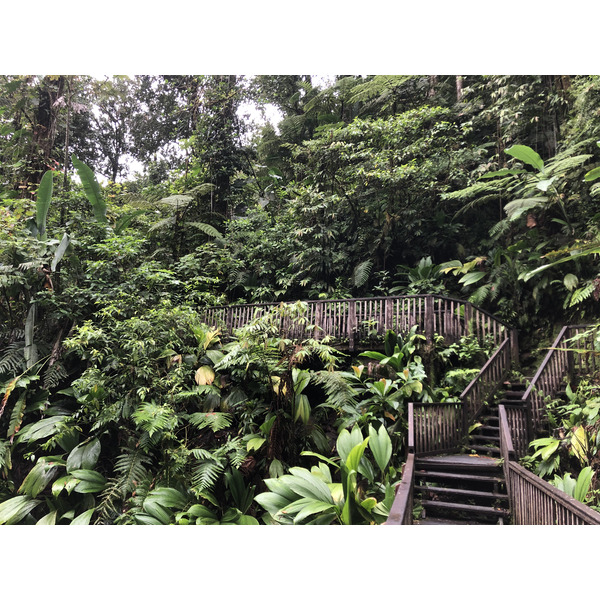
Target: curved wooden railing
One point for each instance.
(532, 500)
(357, 319)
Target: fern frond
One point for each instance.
(582, 294)
(13, 359)
(176, 201)
(155, 417)
(206, 474)
(361, 273)
(54, 375)
(132, 473)
(206, 228)
(215, 420)
(339, 390)
(162, 224)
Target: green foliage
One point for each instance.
(313, 497)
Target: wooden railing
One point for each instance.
(487, 381)
(534, 501)
(401, 510)
(357, 319)
(558, 363)
(435, 428)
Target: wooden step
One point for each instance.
(491, 438)
(479, 449)
(440, 521)
(475, 508)
(462, 492)
(466, 477)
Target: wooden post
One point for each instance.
(389, 317)
(318, 320)
(229, 319)
(514, 347)
(411, 429)
(429, 319)
(468, 318)
(351, 325)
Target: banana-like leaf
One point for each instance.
(527, 155)
(60, 251)
(92, 190)
(30, 345)
(44, 196)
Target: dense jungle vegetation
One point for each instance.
(130, 203)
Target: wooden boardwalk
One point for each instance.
(356, 320)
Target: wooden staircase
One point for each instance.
(469, 488)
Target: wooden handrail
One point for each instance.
(537, 502)
(483, 386)
(354, 318)
(401, 510)
(534, 501)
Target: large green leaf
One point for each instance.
(44, 196)
(471, 278)
(304, 483)
(31, 353)
(49, 519)
(92, 190)
(527, 155)
(355, 455)
(14, 510)
(90, 481)
(41, 429)
(38, 478)
(593, 174)
(582, 486)
(348, 440)
(380, 445)
(84, 518)
(84, 456)
(516, 208)
(60, 251)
